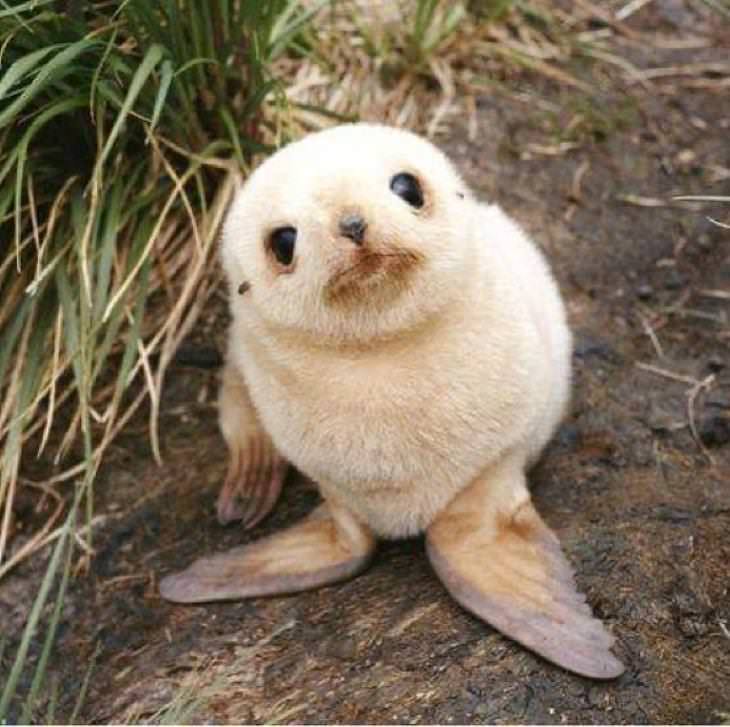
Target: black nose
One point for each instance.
(353, 227)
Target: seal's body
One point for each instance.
(405, 347)
(398, 426)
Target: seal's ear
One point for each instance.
(505, 565)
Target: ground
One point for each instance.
(636, 483)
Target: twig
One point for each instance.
(630, 8)
(723, 628)
(696, 386)
(55, 366)
(640, 201)
(40, 539)
(692, 395)
(689, 42)
(679, 303)
(712, 293)
(690, 69)
(652, 336)
(702, 198)
(720, 317)
(575, 187)
(605, 16)
(666, 374)
(154, 393)
(552, 150)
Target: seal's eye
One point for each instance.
(406, 186)
(282, 243)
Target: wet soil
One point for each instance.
(636, 483)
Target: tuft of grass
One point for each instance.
(423, 63)
(124, 131)
(187, 699)
(123, 137)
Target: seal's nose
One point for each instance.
(353, 227)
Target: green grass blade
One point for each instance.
(11, 335)
(35, 616)
(284, 33)
(107, 247)
(40, 670)
(166, 76)
(63, 107)
(233, 134)
(71, 327)
(30, 382)
(22, 7)
(144, 71)
(19, 153)
(81, 698)
(55, 69)
(134, 335)
(326, 113)
(6, 197)
(52, 702)
(22, 67)
(425, 10)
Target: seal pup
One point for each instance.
(405, 346)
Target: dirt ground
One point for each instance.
(640, 501)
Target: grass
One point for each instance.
(124, 131)
(192, 698)
(159, 114)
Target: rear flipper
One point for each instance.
(327, 546)
(500, 561)
(256, 471)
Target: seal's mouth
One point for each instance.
(388, 270)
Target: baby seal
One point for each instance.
(405, 347)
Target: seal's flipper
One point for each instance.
(500, 561)
(256, 474)
(256, 471)
(326, 547)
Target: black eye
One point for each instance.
(282, 243)
(406, 186)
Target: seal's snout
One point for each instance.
(353, 226)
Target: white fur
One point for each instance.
(395, 404)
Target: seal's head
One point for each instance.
(355, 232)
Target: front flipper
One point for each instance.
(499, 560)
(256, 474)
(326, 547)
(256, 471)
